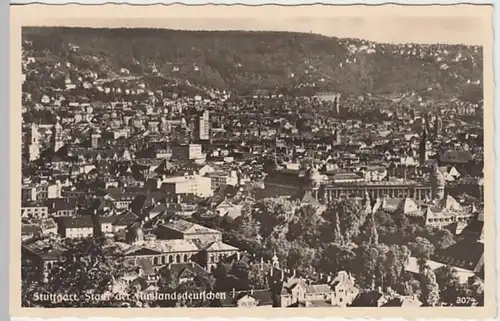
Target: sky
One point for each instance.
(471, 25)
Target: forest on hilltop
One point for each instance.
(243, 61)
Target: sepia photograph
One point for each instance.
(267, 161)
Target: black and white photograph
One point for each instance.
(298, 163)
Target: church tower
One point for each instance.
(438, 183)
(422, 150)
(337, 104)
(34, 143)
(337, 140)
(314, 181)
(57, 136)
(95, 137)
(275, 261)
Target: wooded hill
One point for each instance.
(244, 61)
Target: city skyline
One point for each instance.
(244, 167)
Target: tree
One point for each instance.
(345, 218)
(304, 227)
(247, 226)
(439, 238)
(449, 285)
(430, 287)
(394, 266)
(476, 286)
(336, 257)
(231, 276)
(421, 248)
(373, 238)
(88, 271)
(199, 284)
(257, 275)
(301, 259)
(410, 285)
(272, 213)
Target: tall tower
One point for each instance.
(95, 137)
(438, 183)
(337, 140)
(422, 149)
(438, 126)
(33, 143)
(57, 136)
(202, 126)
(275, 261)
(314, 181)
(337, 104)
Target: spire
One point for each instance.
(275, 262)
(423, 147)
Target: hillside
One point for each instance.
(245, 61)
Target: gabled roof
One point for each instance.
(408, 206)
(305, 197)
(455, 157)
(185, 269)
(465, 254)
(220, 246)
(146, 265)
(189, 228)
(449, 203)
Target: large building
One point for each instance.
(187, 185)
(202, 126)
(290, 182)
(186, 152)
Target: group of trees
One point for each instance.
(84, 277)
(374, 247)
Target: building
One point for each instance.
(187, 152)
(44, 254)
(219, 178)
(59, 207)
(57, 136)
(95, 138)
(248, 299)
(289, 182)
(422, 148)
(40, 192)
(34, 211)
(187, 242)
(33, 143)
(391, 188)
(83, 226)
(181, 229)
(187, 185)
(202, 126)
(216, 252)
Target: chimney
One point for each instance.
(379, 290)
(251, 291)
(293, 273)
(234, 292)
(328, 279)
(238, 256)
